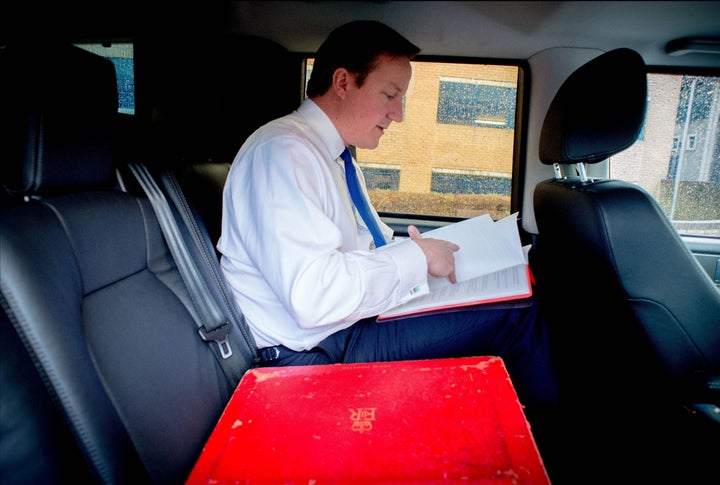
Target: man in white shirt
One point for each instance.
(300, 260)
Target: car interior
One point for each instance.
(109, 275)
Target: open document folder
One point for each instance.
(491, 266)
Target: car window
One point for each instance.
(677, 156)
(121, 55)
(452, 156)
(465, 114)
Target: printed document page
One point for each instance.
(490, 266)
(486, 246)
(506, 284)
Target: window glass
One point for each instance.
(121, 55)
(476, 103)
(452, 155)
(678, 159)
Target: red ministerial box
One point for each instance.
(425, 421)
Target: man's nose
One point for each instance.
(396, 111)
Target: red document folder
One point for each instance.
(426, 421)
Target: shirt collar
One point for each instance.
(323, 126)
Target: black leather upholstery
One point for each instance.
(40, 133)
(598, 112)
(36, 445)
(209, 94)
(212, 92)
(635, 319)
(202, 184)
(89, 288)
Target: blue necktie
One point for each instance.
(359, 200)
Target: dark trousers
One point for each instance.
(515, 331)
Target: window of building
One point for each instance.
(476, 102)
(381, 177)
(463, 182)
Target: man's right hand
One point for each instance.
(439, 254)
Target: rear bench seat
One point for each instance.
(111, 373)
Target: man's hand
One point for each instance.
(439, 254)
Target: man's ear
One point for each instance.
(341, 81)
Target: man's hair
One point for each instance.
(356, 47)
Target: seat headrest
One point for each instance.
(598, 111)
(58, 108)
(230, 85)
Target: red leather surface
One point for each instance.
(428, 421)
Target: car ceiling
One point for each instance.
(500, 29)
(505, 29)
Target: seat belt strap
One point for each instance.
(208, 255)
(212, 325)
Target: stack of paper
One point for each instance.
(490, 266)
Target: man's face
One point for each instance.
(377, 103)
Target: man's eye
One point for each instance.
(390, 97)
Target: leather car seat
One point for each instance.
(635, 319)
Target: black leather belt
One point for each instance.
(268, 354)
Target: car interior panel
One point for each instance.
(197, 139)
(110, 215)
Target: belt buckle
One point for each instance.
(270, 353)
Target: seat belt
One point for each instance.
(212, 324)
(209, 256)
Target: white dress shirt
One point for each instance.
(295, 252)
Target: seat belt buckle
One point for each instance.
(220, 336)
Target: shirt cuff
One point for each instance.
(412, 263)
